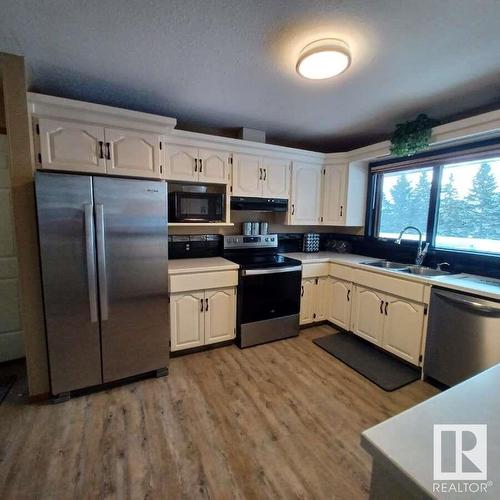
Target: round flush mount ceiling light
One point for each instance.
(324, 59)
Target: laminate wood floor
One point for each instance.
(281, 420)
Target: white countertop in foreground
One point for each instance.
(458, 282)
(406, 440)
(204, 264)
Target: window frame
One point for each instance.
(437, 161)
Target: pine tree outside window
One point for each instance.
(455, 202)
(469, 207)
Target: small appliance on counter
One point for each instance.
(246, 228)
(254, 228)
(310, 242)
(194, 245)
(264, 228)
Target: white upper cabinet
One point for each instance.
(334, 192)
(261, 177)
(213, 166)
(305, 203)
(276, 178)
(181, 163)
(71, 146)
(189, 163)
(344, 193)
(78, 147)
(132, 153)
(247, 175)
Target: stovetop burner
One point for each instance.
(258, 251)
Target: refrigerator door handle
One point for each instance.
(101, 261)
(90, 256)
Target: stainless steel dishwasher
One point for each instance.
(463, 336)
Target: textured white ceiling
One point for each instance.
(221, 64)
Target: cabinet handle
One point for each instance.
(108, 151)
(265, 173)
(196, 164)
(348, 295)
(293, 209)
(201, 165)
(386, 304)
(381, 307)
(341, 210)
(206, 300)
(201, 301)
(101, 151)
(260, 174)
(302, 291)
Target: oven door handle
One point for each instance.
(270, 270)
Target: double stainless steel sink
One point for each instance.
(406, 268)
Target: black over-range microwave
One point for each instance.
(196, 207)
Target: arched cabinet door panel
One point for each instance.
(71, 146)
(182, 163)
(214, 166)
(220, 315)
(132, 153)
(186, 320)
(403, 328)
(276, 178)
(339, 297)
(305, 203)
(247, 175)
(368, 317)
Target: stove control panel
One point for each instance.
(260, 241)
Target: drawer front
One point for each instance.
(202, 281)
(315, 269)
(341, 272)
(388, 284)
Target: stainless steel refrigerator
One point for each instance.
(104, 256)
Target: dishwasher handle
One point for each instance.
(472, 304)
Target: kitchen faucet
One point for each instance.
(421, 252)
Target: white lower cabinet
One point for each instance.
(338, 302)
(220, 315)
(202, 317)
(313, 303)
(403, 328)
(393, 323)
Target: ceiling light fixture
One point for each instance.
(324, 59)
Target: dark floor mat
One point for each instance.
(381, 368)
(6, 384)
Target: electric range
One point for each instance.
(269, 284)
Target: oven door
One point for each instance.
(269, 293)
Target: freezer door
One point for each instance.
(132, 252)
(67, 248)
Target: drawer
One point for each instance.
(341, 272)
(395, 286)
(315, 269)
(202, 281)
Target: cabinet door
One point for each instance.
(306, 191)
(214, 166)
(132, 153)
(334, 191)
(307, 301)
(368, 317)
(403, 327)
(220, 315)
(338, 294)
(276, 178)
(186, 320)
(321, 299)
(182, 163)
(72, 146)
(247, 175)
